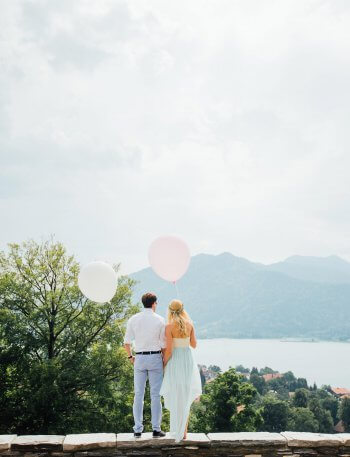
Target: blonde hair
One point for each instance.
(178, 316)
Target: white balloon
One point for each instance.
(98, 281)
(169, 257)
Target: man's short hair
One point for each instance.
(148, 299)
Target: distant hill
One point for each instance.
(229, 296)
(332, 269)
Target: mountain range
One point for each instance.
(228, 296)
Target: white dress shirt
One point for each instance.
(147, 330)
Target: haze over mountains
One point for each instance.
(229, 296)
(332, 269)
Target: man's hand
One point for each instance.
(127, 347)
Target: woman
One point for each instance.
(182, 382)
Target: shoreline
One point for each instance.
(281, 339)
(322, 363)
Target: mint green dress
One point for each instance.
(181, 385)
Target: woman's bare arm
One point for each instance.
(169, 344)
(193, 339)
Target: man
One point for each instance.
(147, 330)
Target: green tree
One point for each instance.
(267, 370)
(275, 414)
(280, 386)
(292, 383)
(345, 413)
(258, 382)
(289, 376)
(218, 409)
(326, 387)
(287, 383)
(322, 393)
(302, 420)
(301, 383)
(242, 369)
(214, 368)
(300, 398)
(61, 362)
(323, 417)
(332, 405)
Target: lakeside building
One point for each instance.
(340, 392)
(339, 427)
(270, 376)
(209, 375)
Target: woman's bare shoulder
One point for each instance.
(189, 326)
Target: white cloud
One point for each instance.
(225, 122)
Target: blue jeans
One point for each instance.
(151, 366)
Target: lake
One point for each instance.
(323, 362)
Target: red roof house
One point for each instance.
(270, 376)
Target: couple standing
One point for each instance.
(159, 346)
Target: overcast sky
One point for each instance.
(224, 122)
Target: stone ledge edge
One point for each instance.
(110, 441)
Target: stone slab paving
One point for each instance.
(37, 443)
(127, 440)
(308, 439)
(345, 438)
(5, 441)
(243, 443)
(249, 439)
(85, 441)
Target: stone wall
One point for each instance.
(248, 444)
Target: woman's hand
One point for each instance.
(165, 360)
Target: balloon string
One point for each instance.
(176, 289)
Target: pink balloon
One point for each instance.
(169, 257)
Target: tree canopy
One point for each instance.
(226, 406)
(62, 366)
